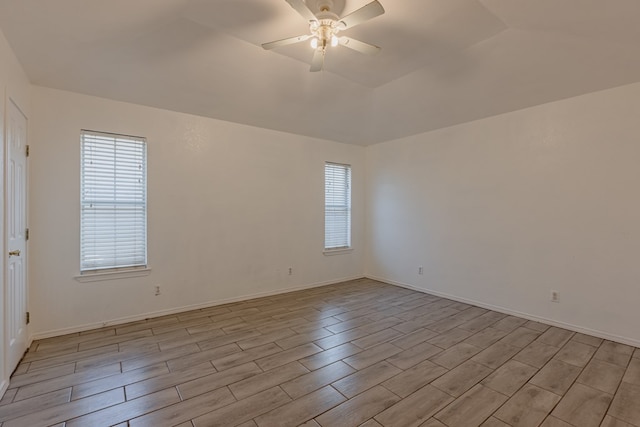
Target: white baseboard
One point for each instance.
(150, 315)
(528, 316)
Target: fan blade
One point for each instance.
(301, 7)
(284, 42)
(318, 60)
(366, 12)
(359, 46)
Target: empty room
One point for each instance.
(320, 213)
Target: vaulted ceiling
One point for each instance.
(443, 62)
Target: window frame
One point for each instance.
(139, 264)
(333, 250)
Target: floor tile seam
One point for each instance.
(477, 333)
(315, 416)
(524, 384)
(83, 414)
(615, 418)
(71, 335)
(565, 393)
(124, 350)
(302, 421)
(444, 391)
(161, 332)
(118, 342)
(177, 403)
(550, 411)
(209, 390)
(171, 385)
(139, 330)
(551, 391)
(436, 378)
(66, 340)
(573, 339)
(61, 388)
(344, 330)
(5, 394)
(476, 383)
(595, 388)
(318, 318)
(381, 342)
(531, 329)
(619, 383)
(604, 414)
(149, 363)
(26, 384)
(62, 362)
(28, 359)
(121, 357)
(582, 368)
(203, 309)
(263, 326)
(552, 357)
(206, 342)
(11, 418)
(55, 348)
(400, 399)
(121, 385)
(408, 310)
(270, 409)
(267, 371)
(31, 369)
(504, 394)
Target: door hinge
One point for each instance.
(27, 151)
(28, 317)
(26, 234)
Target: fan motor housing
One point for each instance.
(336, 7)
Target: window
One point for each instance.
(337, 206)
(113, 187)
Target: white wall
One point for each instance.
(231, 208)
(13, 86)
(502, 210)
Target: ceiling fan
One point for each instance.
(324, 27)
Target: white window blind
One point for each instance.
(337, 206)
(113, 218)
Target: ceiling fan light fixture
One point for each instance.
(325, 25)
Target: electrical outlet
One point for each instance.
(420, 270)
(555, 296)
(290, 271)
(157, 290)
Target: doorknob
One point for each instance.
(14, 253)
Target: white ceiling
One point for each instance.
(443, 62)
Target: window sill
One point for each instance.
(112, 275)
(329, 252)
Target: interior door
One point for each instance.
(16, 228)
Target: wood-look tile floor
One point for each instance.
(360, 353)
